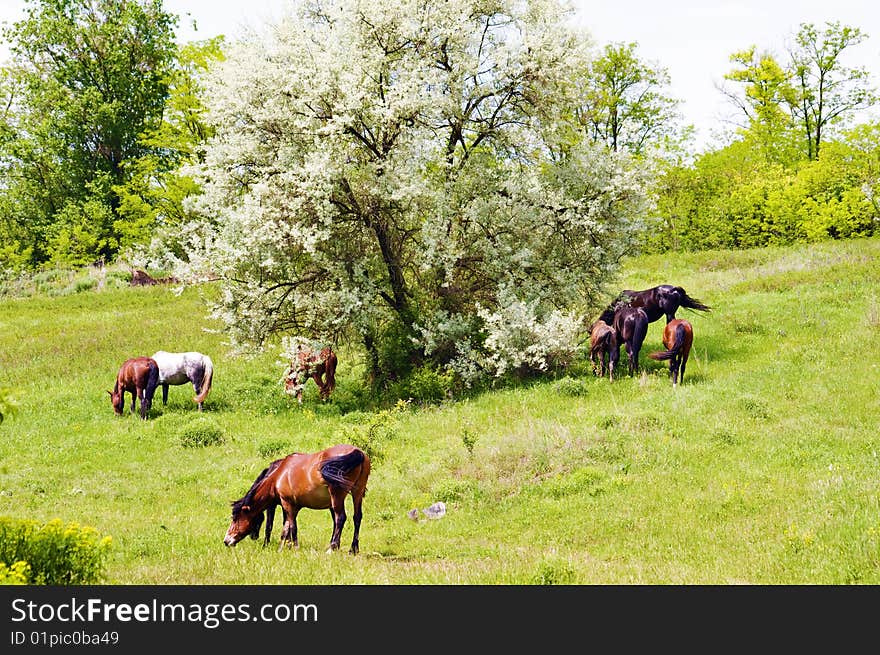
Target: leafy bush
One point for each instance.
(51, 554)
(469, 439)
(554, 571)
(200, 431)
(274, 447)
(569, 386)
(18, 573)
(84, 284)
(426, 385)
(370, 432)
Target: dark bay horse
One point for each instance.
(656, 301)
(318, 365)
(603, 343)
(140, 377)
(630, 327)
(678, 336)
(180, 368)
(318, 480)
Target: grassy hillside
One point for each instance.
(763, 467)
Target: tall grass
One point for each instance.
(761, 467)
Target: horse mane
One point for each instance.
(622, 300)
(248, 498)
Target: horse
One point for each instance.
(678, 336)
(630, 328)
(603, 342)
(319, 366)
(140, 377)
(319, 480)
(180, 368)
(656, 301)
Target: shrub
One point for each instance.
(469, 439)
(274, 447)
(554, 571)
(18, 573)
(371, 432)
(201, 431)
(51, 554)
(426, 385)
(569, 386)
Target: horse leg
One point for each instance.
(289, 535)
(164, 394)
(197, 388)
(613, 359)
(145, 403)
(270, 519)
(133, 399)
(337, 509)
(320, 384)
(357, 499)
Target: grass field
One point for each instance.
(763, 467)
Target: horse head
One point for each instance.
(246, 521)
(116, 400)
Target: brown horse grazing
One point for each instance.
(656, 301)
(140, 377)
(318, 480)
(678, 337)
(320, 366)
(603, 343)
(630, 328)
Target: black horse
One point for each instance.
(630, 326)
(656, 301)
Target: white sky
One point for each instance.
(692, 39)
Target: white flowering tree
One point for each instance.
(412, 174)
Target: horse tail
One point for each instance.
(692, 303)
(206, 380)
(608, 339)
(677, 345)
(336, 468)
(152, 379)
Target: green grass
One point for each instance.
(763, 467)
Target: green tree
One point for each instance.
(826, 91)
(152, 197)
(765, 103)
(408, 173)
(90, 76)
(624, 105)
